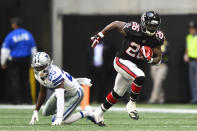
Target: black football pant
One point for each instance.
(19, 86)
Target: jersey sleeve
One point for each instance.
(131, 28)
(56, 78)
(32, 41)
(160, 37)
(7, 42)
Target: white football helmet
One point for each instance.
(41, 63)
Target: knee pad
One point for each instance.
(139, 80)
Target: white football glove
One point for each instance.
(34, 117)
(57, 122)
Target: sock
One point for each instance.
(135, 91)
(74, 117)
(110, 100)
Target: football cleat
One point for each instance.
(89, 112)
(131, 109)
(97, 117)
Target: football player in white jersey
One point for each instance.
(67, 95)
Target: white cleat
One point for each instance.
(89, 111)
(97, 117)
(131, 109)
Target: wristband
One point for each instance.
(101, 34)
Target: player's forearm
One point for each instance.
(40, 101)
(158, 55)
(114, 25)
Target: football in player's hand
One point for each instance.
(146, 52)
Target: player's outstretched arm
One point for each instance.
(158, 55)
(59, 93)
(114, 25)
(41, 98)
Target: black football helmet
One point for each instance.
(150, 22)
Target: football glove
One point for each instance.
(147, 53)
(96, 39)
(34, 117)
(57, 122)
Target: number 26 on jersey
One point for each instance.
(133, 49)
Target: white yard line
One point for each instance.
(121, 109)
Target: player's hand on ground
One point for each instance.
(96, 39)
(34, 117)
(147, 54)
(57, 122)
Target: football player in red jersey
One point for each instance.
(136, 39)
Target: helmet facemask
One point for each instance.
(42, 71)
(41, 64)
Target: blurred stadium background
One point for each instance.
(63, 27)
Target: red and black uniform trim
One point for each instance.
(125, 68)
(111, 99)
(136, 87)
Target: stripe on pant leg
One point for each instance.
(74, 106)
(125, 68)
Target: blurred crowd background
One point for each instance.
(62, 28)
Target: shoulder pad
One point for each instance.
(132, 28)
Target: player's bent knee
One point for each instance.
(118, 93)
(44, 112)
(139, 80)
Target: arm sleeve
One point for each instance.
(5, 53)
(59, 92)
(5, 50)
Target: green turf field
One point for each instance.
(18, 119)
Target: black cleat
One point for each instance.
(101, 123)
(134, 115)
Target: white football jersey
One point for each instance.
(55, 78)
